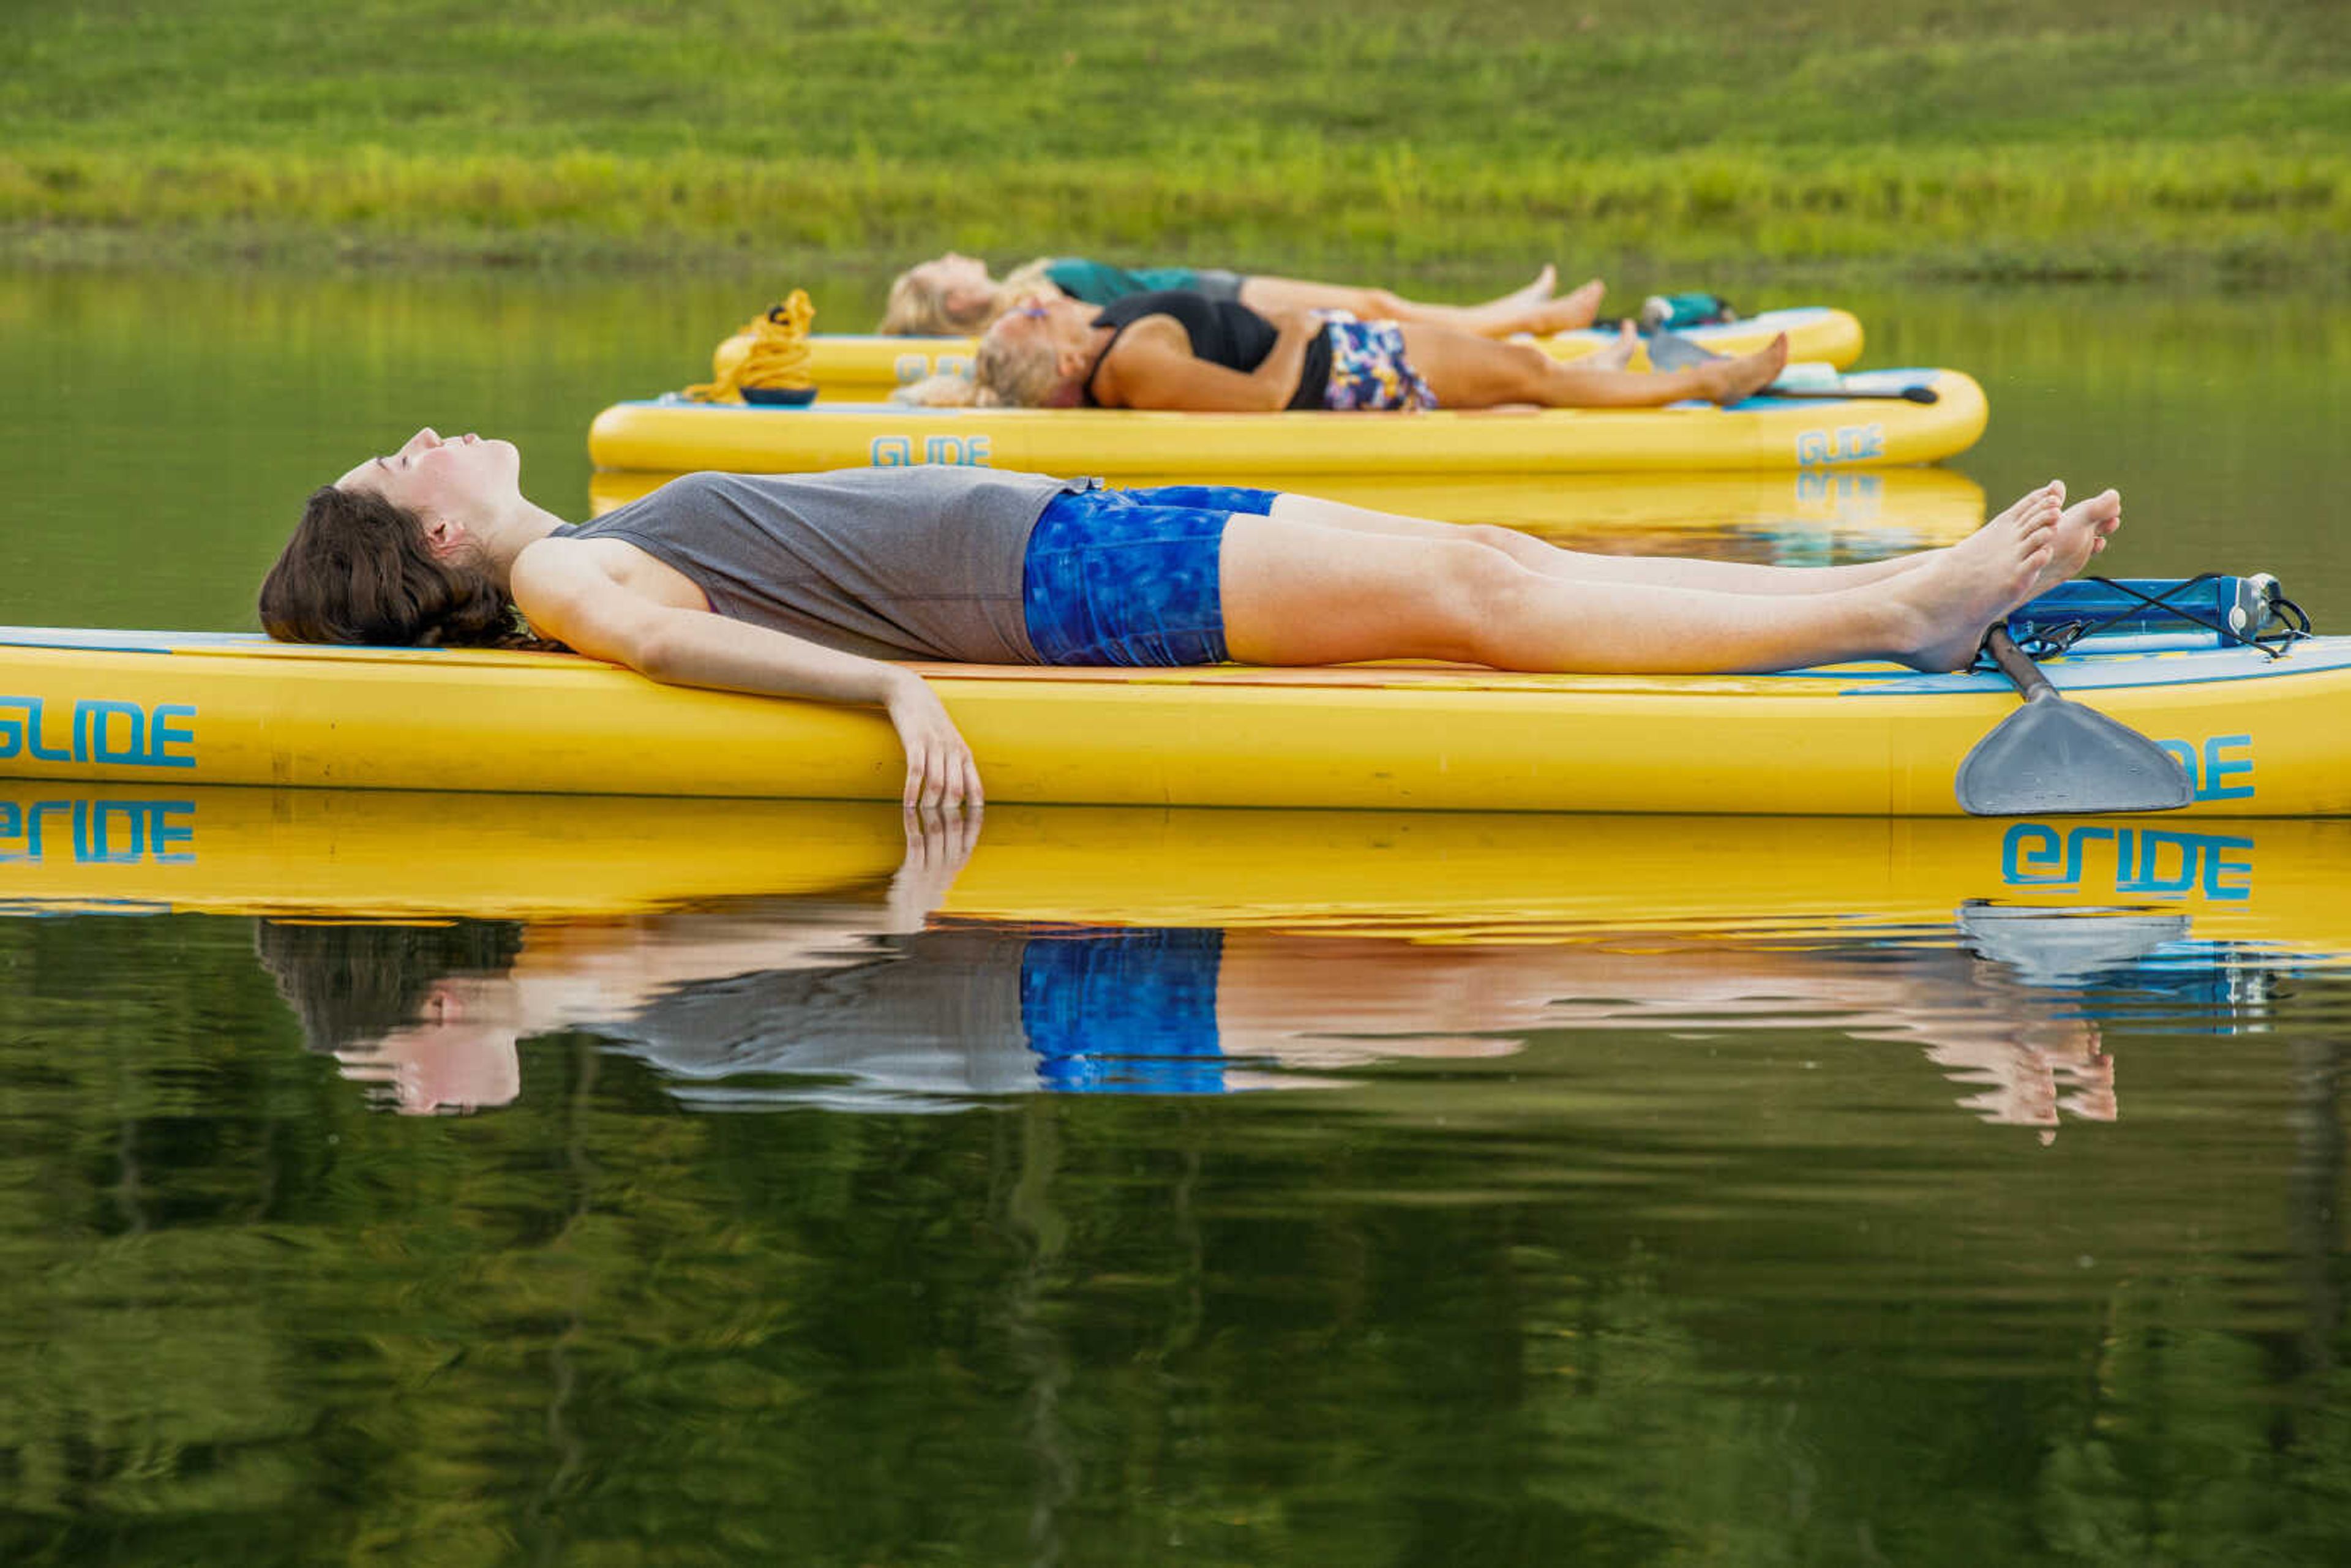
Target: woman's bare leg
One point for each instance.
(1467, 371)
(1555, 561)
(1296, 593)
(2082, 530)
(1529, 309)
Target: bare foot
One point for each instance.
(1728, 380)
(2016, 508)
(2082, 530)
(1617, 354)
(1565, 314)
(1538, 291)
(1952, 598)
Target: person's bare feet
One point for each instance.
(1617, 354)
(1574, 309)
(1728, 380)
(1949, 601)
(2082, 530)
(1538, 291)
(2055, 487)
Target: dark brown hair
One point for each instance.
(352, 984)
(359, 570)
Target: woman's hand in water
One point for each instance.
(940, 772)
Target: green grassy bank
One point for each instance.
(2124, 137)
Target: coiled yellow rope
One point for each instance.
(771, 351)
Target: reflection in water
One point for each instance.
(797, 953)
(873, 1002)
(1611, 1232)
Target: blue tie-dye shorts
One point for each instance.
(1368, 368)
(1130, 577)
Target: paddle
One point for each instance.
(1907, 394)
(2054, 757)
(1671, 351)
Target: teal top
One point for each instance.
(1099, 282)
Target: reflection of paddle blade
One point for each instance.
(2055, 946)
(2056, 758)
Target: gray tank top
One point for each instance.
(921, 562)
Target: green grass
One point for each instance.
(2124, 137)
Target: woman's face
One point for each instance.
(463, 477)
(960, 282)
(1060, 325)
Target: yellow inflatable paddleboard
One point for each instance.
(2259, 736)
(677, 436)
(858, 368)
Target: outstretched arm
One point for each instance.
(568, 594)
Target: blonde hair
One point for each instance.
(1004, 374)
(918, 308)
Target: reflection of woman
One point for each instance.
(856, 1002)
(1184, 351)
(799, 585)
(953, 296)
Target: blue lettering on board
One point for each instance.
(1845, 444)
(911, 368)
(2210, 772)
(2161, 862)
(964, 451)
(100, 730)
(102, 832)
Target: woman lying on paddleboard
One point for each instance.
(806, 585)
(952, 295)
(1183, 350)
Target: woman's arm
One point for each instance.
(1152, 366)
(568, 594)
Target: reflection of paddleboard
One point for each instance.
(675, 435)
(2260, 736)
(1477, 877)
(856, 367)
(1878, 510)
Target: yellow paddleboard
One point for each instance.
(680, 436)
(2259, 737)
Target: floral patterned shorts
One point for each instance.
(1368, 369)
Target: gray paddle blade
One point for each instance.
(1671, 351)
(2055, 757)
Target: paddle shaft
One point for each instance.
(2013, 663)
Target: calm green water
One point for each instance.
(1139, 1187)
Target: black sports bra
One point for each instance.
(1222, 332)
